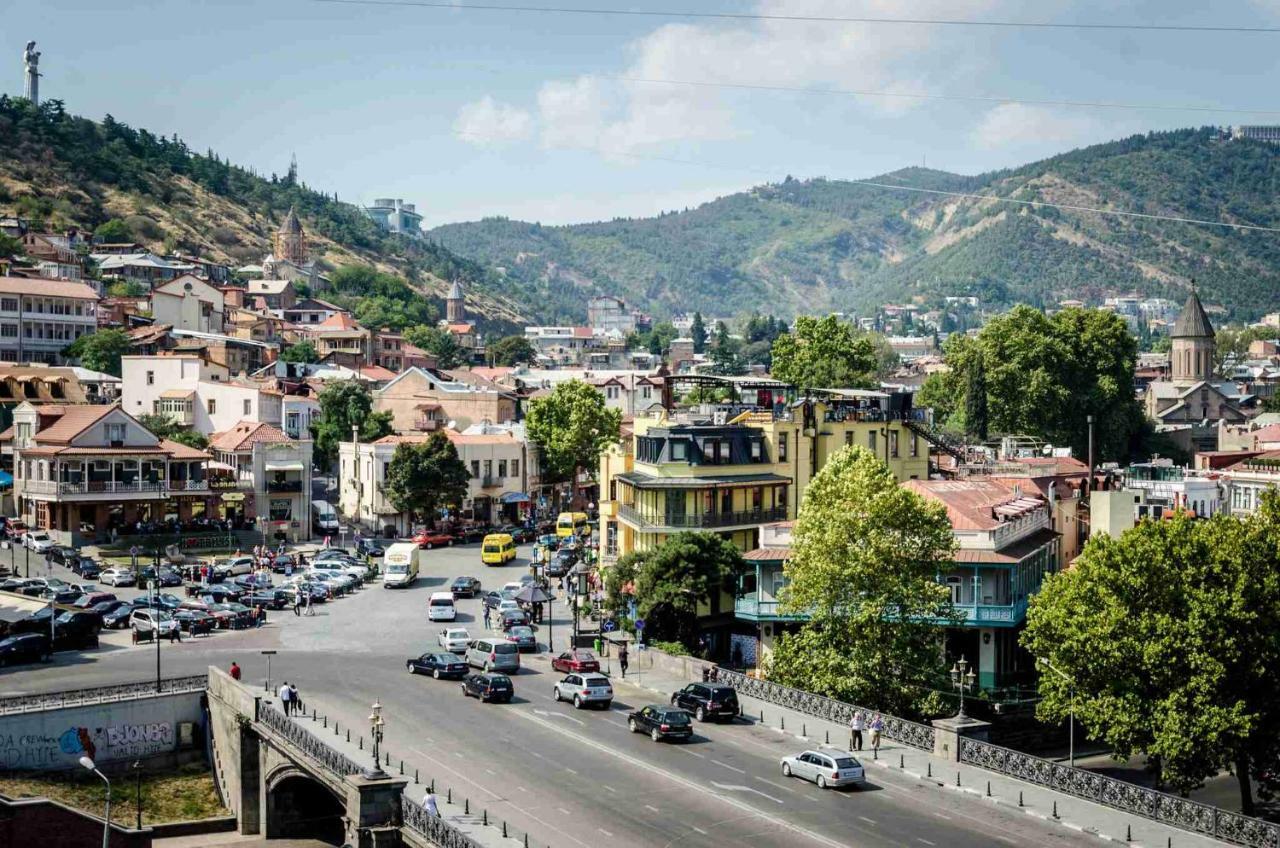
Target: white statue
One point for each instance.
(31, 62)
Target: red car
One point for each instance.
(433, 539)
(576, 661)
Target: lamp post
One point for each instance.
(268, 655)
(376, 723)
(1071, 689)
(962, 677)
(155, 628)
(137, 774)
(106, 822)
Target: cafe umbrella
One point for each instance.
(534, 594)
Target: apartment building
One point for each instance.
(196, 393)
(189, 303)
(40, 317)
(420, 400)
(263, 477)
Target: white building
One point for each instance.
(632, 392)
(1245, 481)
(1163, 487)
(189, 303)
(264, 477)
(394, 215)
(606, 312)
(196, 393)
(911, 348)
(39, 318)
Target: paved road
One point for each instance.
(567, 777)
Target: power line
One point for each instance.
(748, 16)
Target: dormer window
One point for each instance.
(114, 432)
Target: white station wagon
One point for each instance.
(827, 767)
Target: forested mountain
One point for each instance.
(62, 170)
(815, 245)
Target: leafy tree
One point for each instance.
(441, 343)
(100, 351)
(698, 332)
(9, 246)
(824, 353)
(343, 404)
(975, 400)
(114, 231)
(726, 356)
(126, 288)
(1169, 636)
(422, 478)
(672, 581)
(303, 351)
(1271, 403)
(165, 427)
(510, 350)
(863, 567)
(572, 426)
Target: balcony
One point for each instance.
(990, 615)
(284, 485)
(108, 487)
(753, 609)
(699, 521)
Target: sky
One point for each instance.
(564, 118)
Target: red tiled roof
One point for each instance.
(768, 555)
(72, 420)
(51, 288)
(246, 434)
(479, 439)
(180, 451)
(376, 372)
(460, 329)
(973, 504)
(338, 321)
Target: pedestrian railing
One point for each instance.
(1159, 806)
(336, 762)
(439, 831)
(898, 729)
(102, 694)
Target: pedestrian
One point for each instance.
(259, 616)
(486, 616)
(429, 803)
(856, 725)
(877, 725)
(297, 600)
(622, 660)
(175, 635)
(310, 610)
(286, 694)
(294, 700)
(235, 670)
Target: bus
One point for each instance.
(571, 524)
(400, 565)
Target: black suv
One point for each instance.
(76, 629)
(24, 648)
(465, 587)
(661, 722)
(488, 687)
(707, 701)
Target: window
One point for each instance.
(755, 450)
(488, 468)
(915, 445)
(9, 304)
(248, 406)
(213, 406)
(9, 331)
(151, 378)
(515, 468)
(848, 438)
(114, 432)
(502, 468)
(782, 447)
(893, 443)
(475, 468)
(709, 450)
(871, 441)
(679, 450)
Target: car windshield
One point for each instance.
(492, 549)
(455, 634)
(722, 694)
(65, 617)
(446, 658)
(397, 569)
(846, 763)
(441, 602)
(499, 680)
(506, 648)
(676, 718)
(521, 631)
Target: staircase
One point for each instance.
(943, 441)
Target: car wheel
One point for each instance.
(409, 668)
(631, 725)
(436, 674)
(701, 714)
(786, 769)
(429, 546)
(655, 735)
(45, 657)
(577, 702)
(465, 693)
(822, 782)
(556, 693)
(605, 705)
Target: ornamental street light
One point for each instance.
(963, 678)
(1071, 689)
(376, 723)
(106, 822)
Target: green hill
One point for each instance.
(816, 245)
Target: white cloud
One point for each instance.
(488, 123)
(1013, 125)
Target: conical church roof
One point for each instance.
(291, 225)
(455, 291)
(1193, 322)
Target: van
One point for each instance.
(571, 524)
(494, 655)
(441, 608)
(324, 518)
(400, 565)
(497, 549)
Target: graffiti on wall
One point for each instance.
(102, 744)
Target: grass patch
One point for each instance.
(188, 794)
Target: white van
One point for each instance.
(441, 608)
(323, 517)
(400, 565)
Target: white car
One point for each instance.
(39, 541)
(506, 606)
(512, 586)
(236, 565)
(146, 620)
(454, 639)
(825, 767)
(584, 689)
(117, 577)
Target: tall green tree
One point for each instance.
(114, 231)
(674, 581)
(9, 246)
(441, 343)
(824, 353)
(572, 426)
(344, 404)
(422, 478)
(100, 351)
(510, 350)
(698, 333)
(975, 400)
(863, 568)
(303, 351)
(726, 354)
(1168, 634)
(165, 427)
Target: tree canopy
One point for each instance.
(726, 354)
(863, 567)
(572, 426)
(698, 333)
(1168, 634)
(510, 350)
(165, 427)
(440, 343)
(344, 403)
(303, 351)
(100, 351)
(824, 353)
(422, 478)
(114, 231)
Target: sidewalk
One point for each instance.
(984, 787)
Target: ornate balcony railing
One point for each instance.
(436, 829)
(284, 485)
(112, 487)
(102, 694)
(700, 520)
(757, 609)
(335, 761)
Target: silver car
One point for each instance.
(586, 688)
(146, 620)
(454, 639)
(828, 767)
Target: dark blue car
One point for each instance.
(440, 666)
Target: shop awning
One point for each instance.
(284, 466)
(514, 497)
(232, 497)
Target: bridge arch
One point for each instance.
(301, 807)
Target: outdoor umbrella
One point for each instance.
(533, 594)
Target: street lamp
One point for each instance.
(376, 723)
(268, 655)
(153, 590)
(137, 774)
(962, 677)
(106, 824)
(1071, 689)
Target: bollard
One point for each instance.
(828, 737)
(957, 778)
(504, 830)
(526, 840)
(466, 806)
(348, 734)
(1128, 833)
(988, 789)
(762, 716)
(415, 777)
(388, 758)
(402, 766)
(433, 786)
(448, 798)
(1019, 797)
(929, 773)
(902, 761)
(1055, 809)
(485, 820)
(1169, 844)
(361, 743)
(784, 722)
(326, 722)
(875, 753)
(804, 730)
(313, 713)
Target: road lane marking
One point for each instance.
(458, 755)
(571, 771)
(734, 787)
(651, 807)
(700, 830)
(693, 753)
(550, 714)
(729, 767)
(522, 789)
(867, 820)
(610, 789)
(942, 815)
(491, 771)
(563, 810)
(925, 841)
(605, 832)
(775, 785)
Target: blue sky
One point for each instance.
(478, 113)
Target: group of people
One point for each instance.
(290, 702)
(860, 723)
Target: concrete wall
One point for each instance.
(235, 749)
(48, 824)
(55, 740)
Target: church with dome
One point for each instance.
(289, 258)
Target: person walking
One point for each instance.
(429, 804)
(297, 600)
(310, 609)
(486, 616)
(877, 725)
(856, 725)
(294, 700)
(286, 695)
(622, 660)
(235, 670)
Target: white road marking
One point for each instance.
(550, 714)
(522, 789)
(729, 767)
(776, 785)
(941, 815)
(925, 841)
(693, 753)
(563, 810)
(610, 789)
(733, 787)
(651, 807)
(867, 820)
(571, 771)
(700, 830)
(491, 771)
(605, 832)
(458, 755)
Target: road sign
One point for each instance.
(608, 626)
(639, 624)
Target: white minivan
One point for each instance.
(400, 565)
(441, 608)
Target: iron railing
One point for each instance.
(899, 729)
(701, 519)
(335, 761)
(1159, 806)
(102, 694)
(439, 831)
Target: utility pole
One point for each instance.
(1089, 483)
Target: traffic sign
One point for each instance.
(608, 626)
(639, 624)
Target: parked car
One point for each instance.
(241, 615)
(117, 577)
(572, 662)
(522, 636)
(147, 620)
(494, 688)
(269, 598)
(520, 533)
(561, 564)
(825, 767)
(661, 722)
(442, 665)
(707, 701)
(432, 539)
(104, 608)
(86, 567)
(218, 592)
(63, 554)
(90, 599)
(118, 619)
(195, 621)
(235, 565)
(61, 594)
(585, 689)
(76, 629)
(492, 654)
(39, 541)
(491, 599)
(25, 648)
(453, 639)
(15, 529)
(465, 587)
(512, 618)
(369, 547)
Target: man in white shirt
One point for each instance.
(286, 696)
(429, 802)
(856, 726)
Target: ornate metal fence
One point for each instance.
(1149, 803)
(899, 729)
(102, 694)
(439, 831)
(336, 762)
